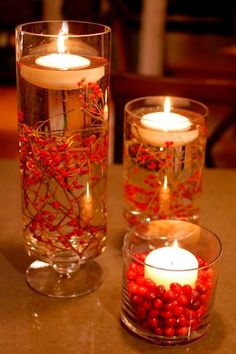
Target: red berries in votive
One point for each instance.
(158, 304)
(176, 311)
(182, 300)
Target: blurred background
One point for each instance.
(164, 38)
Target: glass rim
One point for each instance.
(106, 29)
(132, 256)
(151, 97)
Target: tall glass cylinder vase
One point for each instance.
(164, 153)
(63, 71)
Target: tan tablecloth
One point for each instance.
(31, 323)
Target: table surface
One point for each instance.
(33, 323)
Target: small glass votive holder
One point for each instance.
(169, 281)
(164, 153)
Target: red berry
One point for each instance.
(169, 331)
(189, 314)
(182, 331)
(187, 290)
(140, 269)
(178, 310)
(170, 322)
(160, 290)
(134, 266)
(147, 305)
(150, 284)
(200, 312)
(166, 314)
(194, 323)
(158, 304)
(140, 256)
(195, 305)
(201, 287)
(195, 295)
(132, 288)
(158, 331)
(151, 296)
(203, 298)
(153, 321)
(210, 272)
(209, 284)
(202, 275)
(139, 280)
(176, 288)
(146, 325)
(131, 275)
(169, 296)
(140, 312)
(153, 313)
(169, 306)
(141, 290)
(182, 321)
(137, 299)
(201, 262)
(182, 299)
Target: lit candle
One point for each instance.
(86, 205)
(166, 265)
(164, 198)
(61, 70)
(159, 127)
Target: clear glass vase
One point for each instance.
(164, 154)
(63, 71)
(169, 281)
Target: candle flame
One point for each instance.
(175, 244)
(87, 192)
(165, 184)
(167, 105)
(62, 36)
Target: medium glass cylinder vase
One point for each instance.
(63, 71)
(164, 153)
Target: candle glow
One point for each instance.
(87, 205)
(166, 265)
(62, 60)
(165, 197)
(166, 121)
(159, 127)
(61, 70)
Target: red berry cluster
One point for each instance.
(91, 96)
(143, 194)
(176, 311)
(54, 170)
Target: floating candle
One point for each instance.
(61, 70)
(157, 128)
(166, 265)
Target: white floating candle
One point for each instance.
(173, 264)
(61, 71)
(62, 61)
(159, 127)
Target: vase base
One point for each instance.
(42, 277)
